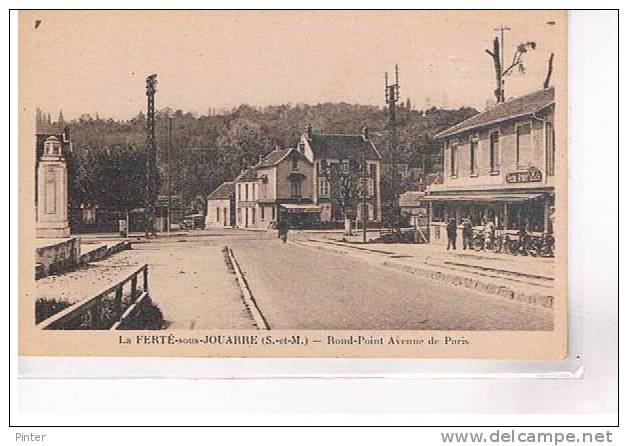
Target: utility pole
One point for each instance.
(392, 96)
(365, 173)
(151, 155)
(169, 171)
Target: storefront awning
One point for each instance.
(494, 197)
(298, 208)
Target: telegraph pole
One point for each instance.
(365, 173)
(151, 155)
(392, 97)
(169, 170)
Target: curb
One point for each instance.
(503, 291)
(247, 295)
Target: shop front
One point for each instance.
(509, 211)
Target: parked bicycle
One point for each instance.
(478, 241)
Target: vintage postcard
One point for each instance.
(387, 184)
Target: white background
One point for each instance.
(591, 400)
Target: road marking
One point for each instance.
(249, 299)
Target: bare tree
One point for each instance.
(550, 67)
(344, 188)
(500, 71)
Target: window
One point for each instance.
(246, 192)
(550, 148)
(252, 216)
(264, 190)
(323, 186)
(239, 192)
(295, 188)
(369, 186)
(263, 209)
(295, 163)
(218, 214)
(322, 166)
(224, 216)
(523, 143)
(453, 162)
(473, 153)
(272, 212)
(494, 152)
(345, 165)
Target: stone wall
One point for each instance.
(57, 257)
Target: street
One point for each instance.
(295, 286)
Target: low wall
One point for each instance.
(64, 256)
(57, 257)
(103, 252)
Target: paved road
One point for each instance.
(299, 287)
(296, 287)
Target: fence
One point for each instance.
(105, 311)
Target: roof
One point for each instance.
(278, 155)
(223, 192)
(489, 197)
(250, 174)
(303, 207)
(518, 107)
(342, 147)
(410, 199)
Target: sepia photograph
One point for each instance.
(368, 183)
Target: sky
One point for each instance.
(97, 62)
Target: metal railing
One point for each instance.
(107, 310)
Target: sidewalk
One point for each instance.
(190, 282)
(542, 267)
(524, 279)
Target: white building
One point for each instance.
(221, 206)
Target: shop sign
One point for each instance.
(530, 175)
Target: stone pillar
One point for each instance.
(52, 192)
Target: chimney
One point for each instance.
(308, 131)
(365, 132)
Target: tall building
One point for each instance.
(499, 166)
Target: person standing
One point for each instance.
(282, 230)
(451, 234)
(489, 233)
(467, 233)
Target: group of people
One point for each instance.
(467, 232)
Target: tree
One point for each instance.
(345, 188)
(499, 64)
(107, 177)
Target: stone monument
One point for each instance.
(52, 192)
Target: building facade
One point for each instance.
(279, 184)
(324, 150)
(221, 206)
(245, 194)
(499, 166)
(293, 183)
